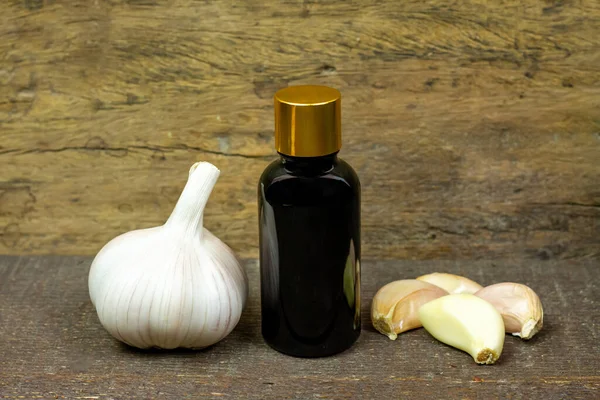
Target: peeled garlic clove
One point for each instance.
(519, 306)
(451, 283)
(395, 306)
(466, 322)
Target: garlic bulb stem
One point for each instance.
(188, 212)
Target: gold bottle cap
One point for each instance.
(308, 121)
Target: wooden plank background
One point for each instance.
(473, 125)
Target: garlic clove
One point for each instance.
(466, 322)
(519, 306)
(451, 283)
(395, 306)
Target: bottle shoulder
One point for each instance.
(346, 171)
(341, 171)
(335, 186)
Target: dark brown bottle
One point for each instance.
(309, 212)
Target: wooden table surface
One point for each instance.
(53, 346)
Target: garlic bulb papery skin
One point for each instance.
(519, 306)
(396, 305)
(466, 322)
(176, 285)
(453, 284)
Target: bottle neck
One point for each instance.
(309, 165)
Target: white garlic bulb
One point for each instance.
(176, 285)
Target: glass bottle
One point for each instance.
(309, 217)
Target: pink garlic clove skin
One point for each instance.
(519, 305)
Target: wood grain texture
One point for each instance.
(53, 346)
(474, 126)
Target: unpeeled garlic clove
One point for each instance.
(519, 305)
(453, 284)
(395, 306)
(466, 322)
